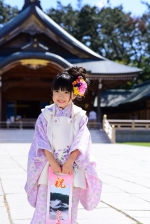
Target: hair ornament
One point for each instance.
(79, 86)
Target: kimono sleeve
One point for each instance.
(40, 135)
(81, 140)
(36, 159)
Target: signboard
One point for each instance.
(59, 198)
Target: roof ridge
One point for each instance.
(31, 2)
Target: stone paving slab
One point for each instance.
(3, 210)
(103, 215)
(4, 216)
(145, 197)
(124, 170)
(1, 192)
(20, 221)
(19, 207)
(124, 201)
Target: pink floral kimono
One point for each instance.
(37, 194)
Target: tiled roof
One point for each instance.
(108, 67)
(13, 24)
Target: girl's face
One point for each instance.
(63, 98)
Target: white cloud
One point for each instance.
(101, 3)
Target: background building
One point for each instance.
(33, 49)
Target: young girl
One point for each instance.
(62, 141)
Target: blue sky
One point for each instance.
(134, 6)
(59, 190)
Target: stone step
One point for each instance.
(26, 136)
(99, 136)
(16, 135)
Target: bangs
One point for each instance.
(63, 83)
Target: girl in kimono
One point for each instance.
(62, 141)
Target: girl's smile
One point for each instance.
(63, 98)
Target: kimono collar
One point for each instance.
(66, 112)
(52, 108)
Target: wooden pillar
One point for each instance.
(99, 104)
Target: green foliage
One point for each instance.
(137, 143)
(7, 12)
(65, 16)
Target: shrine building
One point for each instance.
(33, 49)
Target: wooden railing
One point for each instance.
(110, 130)
(17, 124)
(130, 124)
(110, 126)
(31, 124)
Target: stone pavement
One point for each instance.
(124, 170)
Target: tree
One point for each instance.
(87, 26)
(7, 12)
(143, 60)
(65, 16)
(110, 32)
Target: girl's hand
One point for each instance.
(52, 161)
(67, 168)
(55, 167)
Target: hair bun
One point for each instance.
(77, 71)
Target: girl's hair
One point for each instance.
(65, 79)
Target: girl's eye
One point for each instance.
(56, 91)
(66, 92)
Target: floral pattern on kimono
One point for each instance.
(90, 196)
